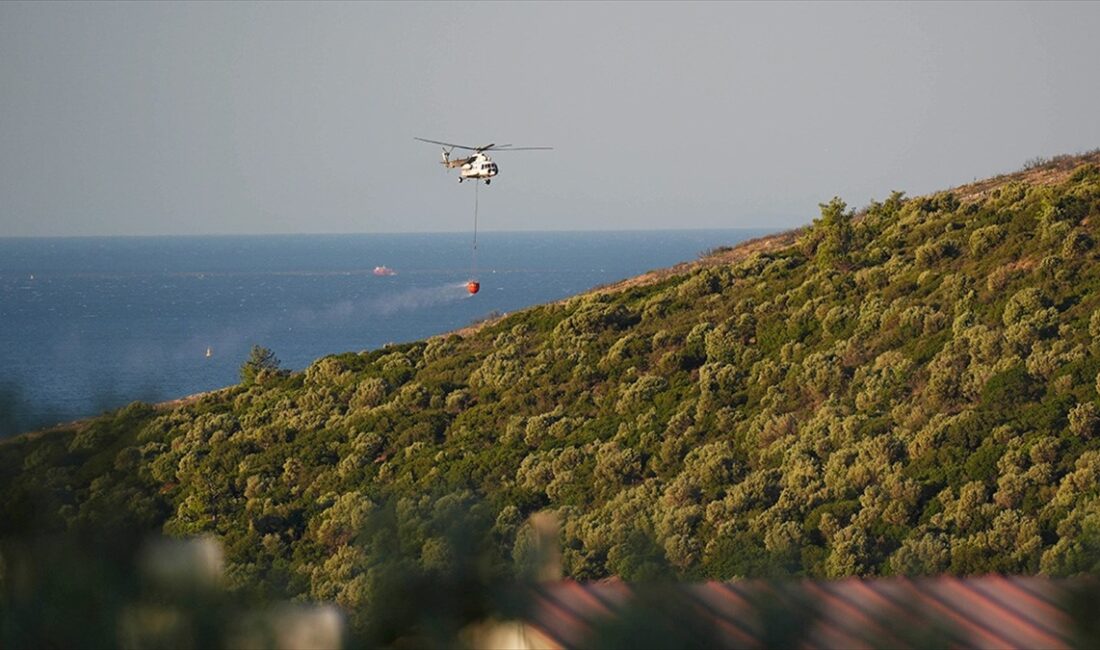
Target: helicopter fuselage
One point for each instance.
(476, 167)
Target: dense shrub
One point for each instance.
(982, 240)
(869, 400)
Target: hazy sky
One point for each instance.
(177, 118)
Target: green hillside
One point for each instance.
(910, 389)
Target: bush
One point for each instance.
(985, 239)
(371, 392)
(1008, 389)
(1022, 305)
(1078, 243)
(934, 252)
(1084, 420)
(592, 318)
(641, 392)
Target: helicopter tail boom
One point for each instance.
(457, 162)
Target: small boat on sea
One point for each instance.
(209, 353)
(384, 270)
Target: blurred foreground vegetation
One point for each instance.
(910, 390)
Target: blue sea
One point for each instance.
(91, 324)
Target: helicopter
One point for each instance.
(478, 167)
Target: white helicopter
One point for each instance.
(479, 166)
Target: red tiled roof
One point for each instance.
(977, 612)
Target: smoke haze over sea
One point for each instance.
(88, 324)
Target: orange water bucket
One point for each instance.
(473, 286)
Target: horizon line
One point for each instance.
(408, 232)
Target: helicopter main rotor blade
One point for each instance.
(487, 147)
(448, 144)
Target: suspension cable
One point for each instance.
(477, 185)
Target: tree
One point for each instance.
(835, 225)
(260, 361)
